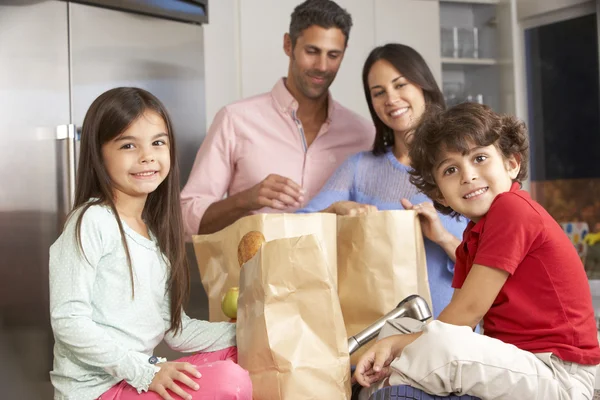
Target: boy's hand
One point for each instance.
(430, 220)
(374, 365)
(166, 378)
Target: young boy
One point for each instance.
(515, 269)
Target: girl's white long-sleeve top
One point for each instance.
(102, 333)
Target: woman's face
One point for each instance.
(398, 102)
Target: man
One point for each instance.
(274, 151)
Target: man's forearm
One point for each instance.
(223, 213)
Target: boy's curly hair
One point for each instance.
(458, 129)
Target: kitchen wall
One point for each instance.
(244, 55)
(244, 45)
(534, 8)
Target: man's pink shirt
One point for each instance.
(258, 136)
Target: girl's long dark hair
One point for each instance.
(414, 68)
(109, 116)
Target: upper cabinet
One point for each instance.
(478, 52)
(469, 46)
(414, 23)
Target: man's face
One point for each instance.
(315, 60)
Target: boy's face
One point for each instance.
(469, 183)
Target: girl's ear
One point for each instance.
(513, 165)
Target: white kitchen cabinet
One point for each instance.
(478, 48)
(414, 23)
(262, 59)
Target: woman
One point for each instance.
(398, 86)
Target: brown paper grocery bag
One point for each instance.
(381, 261)
(290, 330)
(216, 253)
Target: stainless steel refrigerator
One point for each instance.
(56, 57)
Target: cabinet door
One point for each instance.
(112, 48)
(507, 34)
(415, 23)
(347, 87)
(34, 100)
(263, 60)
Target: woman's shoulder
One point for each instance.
(368, 159)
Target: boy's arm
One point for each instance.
(470, 303)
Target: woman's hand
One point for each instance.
(374, 365)
(350, 208)
(169, 373)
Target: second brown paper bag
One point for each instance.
(381, 261)
(290, 331)
(216, 253)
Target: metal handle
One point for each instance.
(67, 166)
(413, 306)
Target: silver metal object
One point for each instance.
(56, 58)
(66, 168)
(412, 307)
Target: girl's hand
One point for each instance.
(171, 372)
(430, 221)
(350, 208)
(374, 365)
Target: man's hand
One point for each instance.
(166, 378)
(275, 191)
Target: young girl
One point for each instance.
(118, 272)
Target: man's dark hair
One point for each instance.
(324, 13)
(456, 129)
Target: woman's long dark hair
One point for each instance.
(108, 117)
(414, 68)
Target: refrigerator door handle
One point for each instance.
(67, 135)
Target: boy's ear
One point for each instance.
(513, 165)
(439, 198)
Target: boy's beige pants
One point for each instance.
(453, 359)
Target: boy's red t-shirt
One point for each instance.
(545, 304)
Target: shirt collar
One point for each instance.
(477, 227)
(288, 104)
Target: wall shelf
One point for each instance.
(471, 1)
(468, 61)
